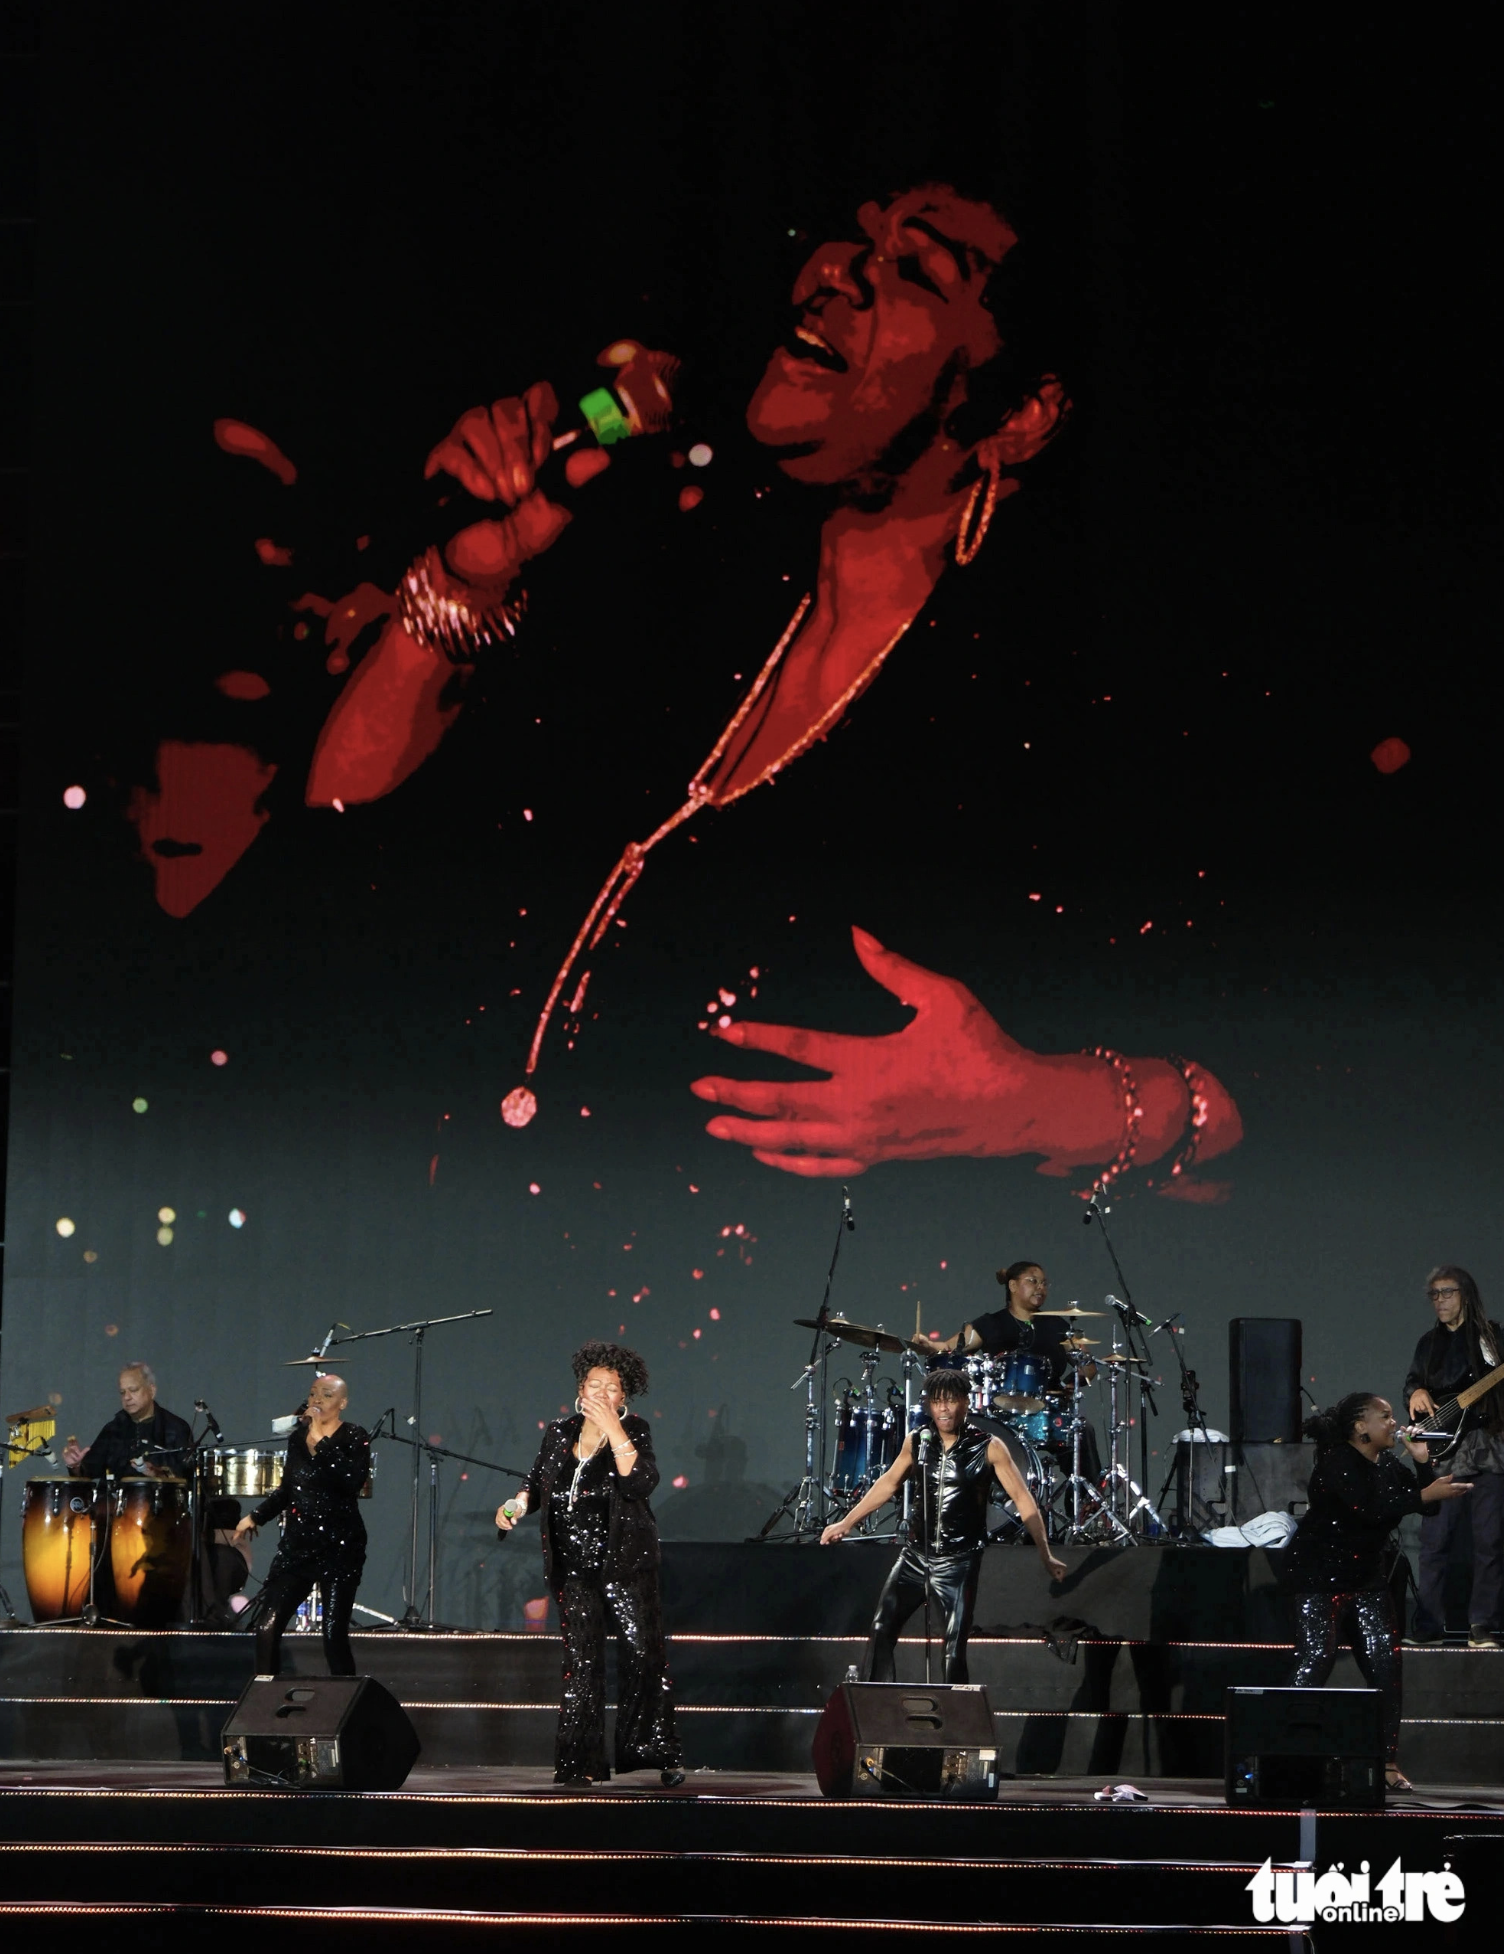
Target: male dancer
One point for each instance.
(955, 1462)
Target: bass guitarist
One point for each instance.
(1460, 1350)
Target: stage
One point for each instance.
(127, 1804)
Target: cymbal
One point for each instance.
(292, 1363)
(1010, 1401)
(1082, 1343)
(1116, 1357)
(856, 1333)
(1072, 1311)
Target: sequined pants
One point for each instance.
(953, 1596)
(590, 1608)
(1366, 1621)
(284, 1592)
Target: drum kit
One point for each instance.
(855, 1431)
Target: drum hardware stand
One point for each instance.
(413, 1618)
(1077, 1528)
(810, 1501)
(1132, 1319)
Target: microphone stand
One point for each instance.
(1132, 1320)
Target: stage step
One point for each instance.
(745, 1702)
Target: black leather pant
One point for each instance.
(590, 1607)
(953, 1595)
(285, 1591)
(1366, 1620)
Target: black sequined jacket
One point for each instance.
(1354, 1504)
(632, 1545)
(318, 1493)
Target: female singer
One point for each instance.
(591, 1481)
(328, 1462)
(1336, 1566)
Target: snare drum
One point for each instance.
(151, 1545)
(61, 1522)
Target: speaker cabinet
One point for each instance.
(321, 1733)
(1264, 1392)
(1305, 1749)
(900, 1740)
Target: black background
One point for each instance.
(1263, 265)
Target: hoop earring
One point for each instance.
(966, 551)
(578, 1406)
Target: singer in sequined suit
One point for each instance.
(956, 1464)
(324, 1542)
(1338, 1563)
(590, 1485)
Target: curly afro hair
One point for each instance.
(628, 1366)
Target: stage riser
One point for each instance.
(489, 1700)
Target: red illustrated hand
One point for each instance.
(951, 1082)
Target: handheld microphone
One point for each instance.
(211, 1420)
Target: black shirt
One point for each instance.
(318, 1492)
(1339, 1546)
(1001, 1330)
(162, 1441)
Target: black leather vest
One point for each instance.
(951, 1515)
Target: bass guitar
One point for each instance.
(1449, 1418)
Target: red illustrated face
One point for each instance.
(886, 330)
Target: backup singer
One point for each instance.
(328, 1461)
(956, 1464)
(143, 1438)
(1462, 1347)
(1336, 1568)
(591, 1482)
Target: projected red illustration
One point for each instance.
(897, 389)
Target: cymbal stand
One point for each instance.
(1080, 1530)
(810, 1500)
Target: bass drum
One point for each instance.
(151, 1546)
(1034, 1469)
(61, 1522)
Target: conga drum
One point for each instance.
(58, 1521)
(151, 1547)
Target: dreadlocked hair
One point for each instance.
(1334, 1426)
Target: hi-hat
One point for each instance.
(1072, 1311)
(1082, 1343)
(293, 1362)
(855, 1333)
(1117, 1357)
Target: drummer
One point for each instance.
(1025, 1325)
(1018, 1327)
(143, 1439)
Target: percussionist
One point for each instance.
(143, 1439)
(328, 1462)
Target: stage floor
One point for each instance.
(466, 1856)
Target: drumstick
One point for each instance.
(918, 1319)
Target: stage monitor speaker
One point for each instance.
(1305, 1749)
(906, 1740)
(319, 1733)
(1265, 1378)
